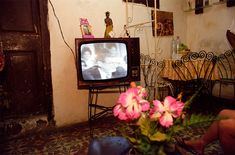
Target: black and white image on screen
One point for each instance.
(110, 61)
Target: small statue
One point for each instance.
(109, 26)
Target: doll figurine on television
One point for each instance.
(109, 26)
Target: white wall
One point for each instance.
(70, 104)
(207, 31)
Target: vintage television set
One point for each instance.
(93, 54)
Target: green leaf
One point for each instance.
(158, 136)
(161, 151)
(198, 119)
(192, 98)
(143, 147)
(144, 126)
(132, 140)
(177, 128)
(141, 120)
(147, 127)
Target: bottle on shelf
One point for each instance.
(178, 42)
(173, 48)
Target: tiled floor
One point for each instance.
(75, 139)
(66, 141)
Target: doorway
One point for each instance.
(26, 76)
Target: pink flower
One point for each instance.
(131, 103)
(166, 111)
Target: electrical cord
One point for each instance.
(61, 32)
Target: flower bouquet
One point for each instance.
(154, 124)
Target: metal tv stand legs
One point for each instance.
(97, 110)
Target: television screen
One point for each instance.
(105, 62)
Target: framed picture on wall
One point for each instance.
(165, 26)
(85, 28)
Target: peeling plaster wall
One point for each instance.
(207, 31)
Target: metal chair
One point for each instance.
(151, 70)
(194, 71)
(226, 67)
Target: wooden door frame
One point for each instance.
(46, 56)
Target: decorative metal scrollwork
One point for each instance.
(202, 54)
(178, 63)
(152, 62)
(195, 56)
(142, 58)
(228, 53)
(221, 56)
(151, 70)
(161, 64)
(209, 56)
(185, 58)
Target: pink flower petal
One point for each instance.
(168, 101)
(158, 106)
(166, 120)
(123, 116)
(145, 105)
(133, 111)
(117, 110)
(155, 116)
(177, 109)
